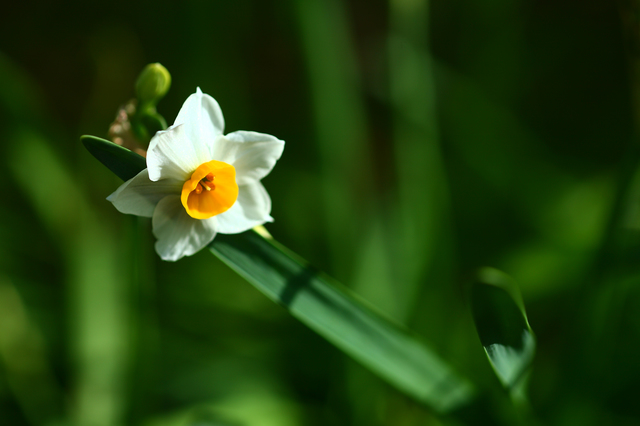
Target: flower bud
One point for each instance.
(153, 83)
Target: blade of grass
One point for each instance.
(340, 117)
(23, 356)
(96, 291)
(609, 284)
(505, 334)
(338, 316)
(358, 248)
(117, 158)
(422, 228)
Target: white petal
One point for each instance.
(173, 155)
(140, 195)
(202, 117)
(178, 233)
(251, 209)
(252, 154)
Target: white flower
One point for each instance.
(199, 182)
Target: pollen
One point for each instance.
(202, 198)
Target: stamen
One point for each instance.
(200, 196)
(206, 185)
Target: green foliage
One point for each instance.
(424, 140)
(502, 325)
(121, 161)
(341, 318)
(324, 306)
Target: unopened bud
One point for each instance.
(153, 83)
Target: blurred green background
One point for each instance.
(424, 140)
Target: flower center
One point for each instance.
(211, 190)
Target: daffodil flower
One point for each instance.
(199, 182)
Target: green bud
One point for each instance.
(153, 83)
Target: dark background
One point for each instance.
(423, 141)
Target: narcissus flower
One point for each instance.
(199, 182)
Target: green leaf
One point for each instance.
(325, 306)
(121, 161)
(503, 327)
(338, 316)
